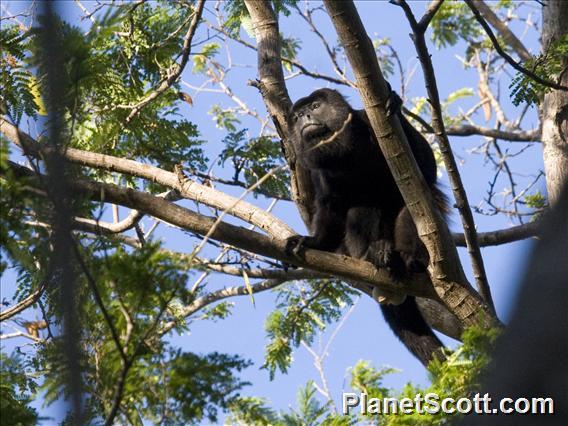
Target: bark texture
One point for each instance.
(555, 104)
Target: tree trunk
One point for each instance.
(555, 104)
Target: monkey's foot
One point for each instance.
(412, 263)
(387, 297)
(295, 244)
(382, 254)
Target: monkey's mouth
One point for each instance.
(313, 131)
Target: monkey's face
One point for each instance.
(320, 115)
(310, 121)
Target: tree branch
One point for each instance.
(506, 56)
(225, 293)
(433, 7)
(533, 135)
(175, 71)
(276, 98)
(447, 155)
(447, 276)
(24, 304)
(502, 236)
(187, 188)
(328, 263)
(503, 30)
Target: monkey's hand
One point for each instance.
(394, 104)
(296, 243)
(382, 254)
(413, 263)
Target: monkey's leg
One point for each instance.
(369, 236)
(408, 244)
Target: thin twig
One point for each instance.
(175, 71)
(22, 305)
(506, 56)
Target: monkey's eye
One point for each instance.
(315, 105)
(300, 114)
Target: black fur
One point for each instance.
(358, 209)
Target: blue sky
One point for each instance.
(364, 335)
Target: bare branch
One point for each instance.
(533, 135)
(187, 188)
(225, 293)
(224, 212)
(293, 62)
(20, 334)
(433, 7)
(330, 53)
(502, 236)
(24, 304)
(328, 263)
(512, 136)
(503, 30)
(506, 56)
(280, 274)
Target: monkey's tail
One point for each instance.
(441, 200)
(408, 324)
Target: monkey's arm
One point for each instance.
(327, 227)
(328, 223)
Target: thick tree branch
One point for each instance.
(187, 188)
(447, 276)
(554, 106)
(328, 263)
(447, 155)
(275, 95)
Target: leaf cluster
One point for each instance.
(16, 391)
(452, 22)
(253, 411)
(17, 96)
(547, 66)
(459, 376)
(253, 158)
(301, 312)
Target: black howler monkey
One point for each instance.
(357, 207)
